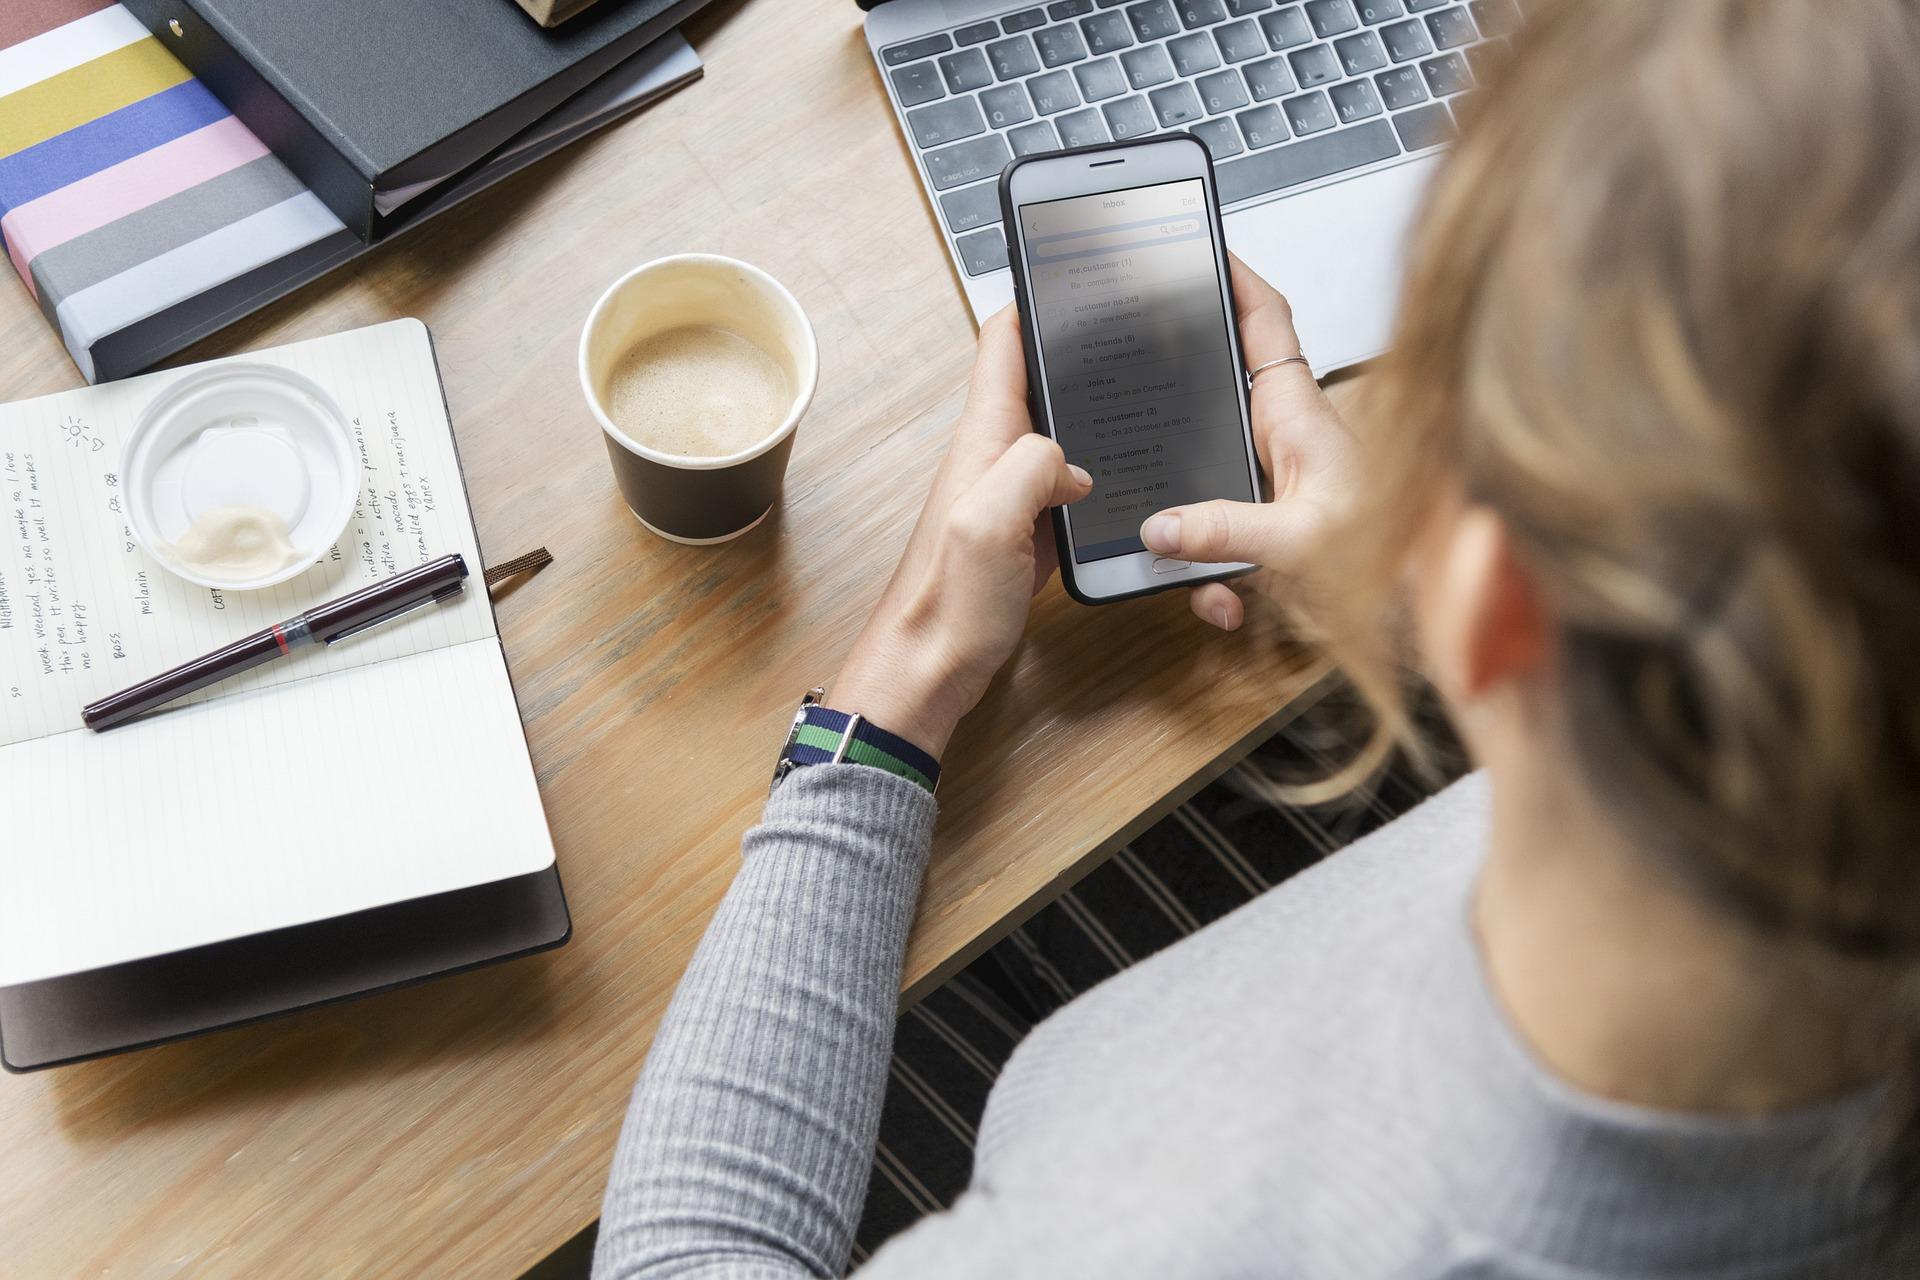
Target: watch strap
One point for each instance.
(822, 735)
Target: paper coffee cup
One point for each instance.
(692, 499)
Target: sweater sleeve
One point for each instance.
(750, 1135)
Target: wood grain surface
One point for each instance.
(464, 1128)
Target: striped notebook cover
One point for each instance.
(142, 216)
(125, 187)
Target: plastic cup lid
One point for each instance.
(240, 435)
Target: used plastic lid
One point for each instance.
(240, 435)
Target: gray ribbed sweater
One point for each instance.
(1318, 1085)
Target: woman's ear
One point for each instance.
(1481, 620)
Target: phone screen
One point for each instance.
(1134, 348)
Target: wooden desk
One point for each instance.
(464, 1128)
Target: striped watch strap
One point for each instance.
(821, 736)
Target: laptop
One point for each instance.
(1325, 118)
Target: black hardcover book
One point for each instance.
(148, 1002)
(367, 99)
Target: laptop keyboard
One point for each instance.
(1283, 92)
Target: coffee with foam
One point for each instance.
(698, 391)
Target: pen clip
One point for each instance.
(445, 593)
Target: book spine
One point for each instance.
(266, 104)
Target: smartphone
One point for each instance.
(1133, 357)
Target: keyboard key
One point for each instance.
(1355, 100)
(983, 251)
(1496, 17)
(1154, 20)
(1309, 114)
(1286, 28)
(1314, 66)
(971, 207)
(1031, 138)
(1427, 126)
(1451, 28)
(1220, 136)
(1082, 129)
(1420, 6)
(1372, 11)
(1053, 92)
(1025, 20)
(1106, 32)
(1069, 8)
(1447, 74)
(1360, 54)
(1241, 8)
(1013, 58)
(1193, 55)
(977, 32)
(1108, 4)
(1102, 79)
(1177, 106)
(1330, 17)
(1262, 126)
(1129, 117)
(1239, 41)
(1401, 87)
(1299, 162)
(1060, 45)
(1269, 79)
(1148, 66)
(925, 47)
(1406, 40)
(1223, 91)
(966, 162)
(1487, 58)
(945, 122)
(1202, 13)
(917, 84)
(966, 71)
(1005, 105)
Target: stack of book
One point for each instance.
(167, 166)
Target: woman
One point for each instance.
(1629, 1000)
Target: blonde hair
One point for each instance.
(1663, 317)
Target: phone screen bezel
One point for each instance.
(1094, 171)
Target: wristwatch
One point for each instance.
(821, 735)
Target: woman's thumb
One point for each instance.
(1217, 532)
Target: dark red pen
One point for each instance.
(322, 624)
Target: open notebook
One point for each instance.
(389, 767)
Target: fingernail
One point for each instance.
(1220, 617)
(1081, 474)
(1162, 532)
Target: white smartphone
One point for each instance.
(1133, 357)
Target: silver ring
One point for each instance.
(1299, 358)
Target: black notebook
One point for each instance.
(371, 102)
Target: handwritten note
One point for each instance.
(84, 610)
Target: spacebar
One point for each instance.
(1299, 162)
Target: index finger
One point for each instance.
(1266, 320)
(998, 391)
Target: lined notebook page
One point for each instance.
(266, 809)
(85, 612)
(389, 767)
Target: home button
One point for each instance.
(1161, 564)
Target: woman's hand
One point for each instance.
(1311, 461)
(958, 601)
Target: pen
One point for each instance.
(322, 624)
